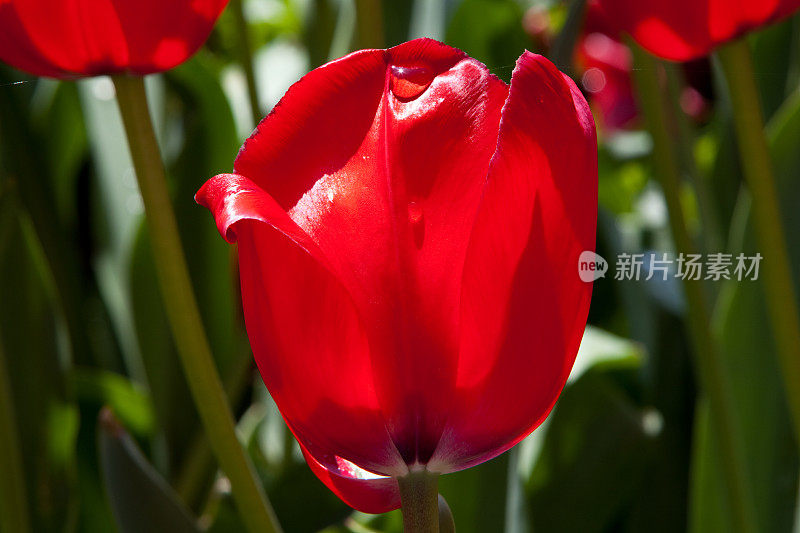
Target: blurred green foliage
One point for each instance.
(628, 446)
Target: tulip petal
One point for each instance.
(681, 31)
(380, 158)
(303, 328)
(523, 305)
(372, 494)
(17, 48)
(65, 38)
(160, 35)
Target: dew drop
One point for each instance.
(410, 82)
(417, 221)
(414, 213)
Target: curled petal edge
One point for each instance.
(232, 198)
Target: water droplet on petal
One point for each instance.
(417, 220)
(414, 213)
(410, 82)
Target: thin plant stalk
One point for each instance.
(709, 364)
(780, 290)
(709, 216)
(245, 50)
(369, 24)
(182, 311)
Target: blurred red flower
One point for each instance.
(73, 38)
(681, 30)
(607, 65)
(408, 232)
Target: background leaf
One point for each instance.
(141, 500)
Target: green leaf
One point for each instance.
(172, 402)
(477, 496)
(491, 32)
(140, 499)
(742, 324)
(14, 508)
(35, 373)
(601, 349)
(594, 457)
(126, 399)
(58, 122)
(770, 47)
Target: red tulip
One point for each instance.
(71, 38)
(607, 65)
(408, 231)
(687, 29)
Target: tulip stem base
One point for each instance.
(182, 311)
(780, 291)
(419, 500)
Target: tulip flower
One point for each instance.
(408, 232)
(74, 38)
(681, 30)
(607, 65)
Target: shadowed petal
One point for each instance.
(523, 306)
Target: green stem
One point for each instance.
(182, 311)
(13, 494)
(246, 58)
(419, 502)
(199, 460)
(781, 296)
(709, 217)
(708, 359)
(369, 20)
(564, 45)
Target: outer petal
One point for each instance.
(303, 328)
(523, 306)
(688, 29)
(380, 157)
(65, 38)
